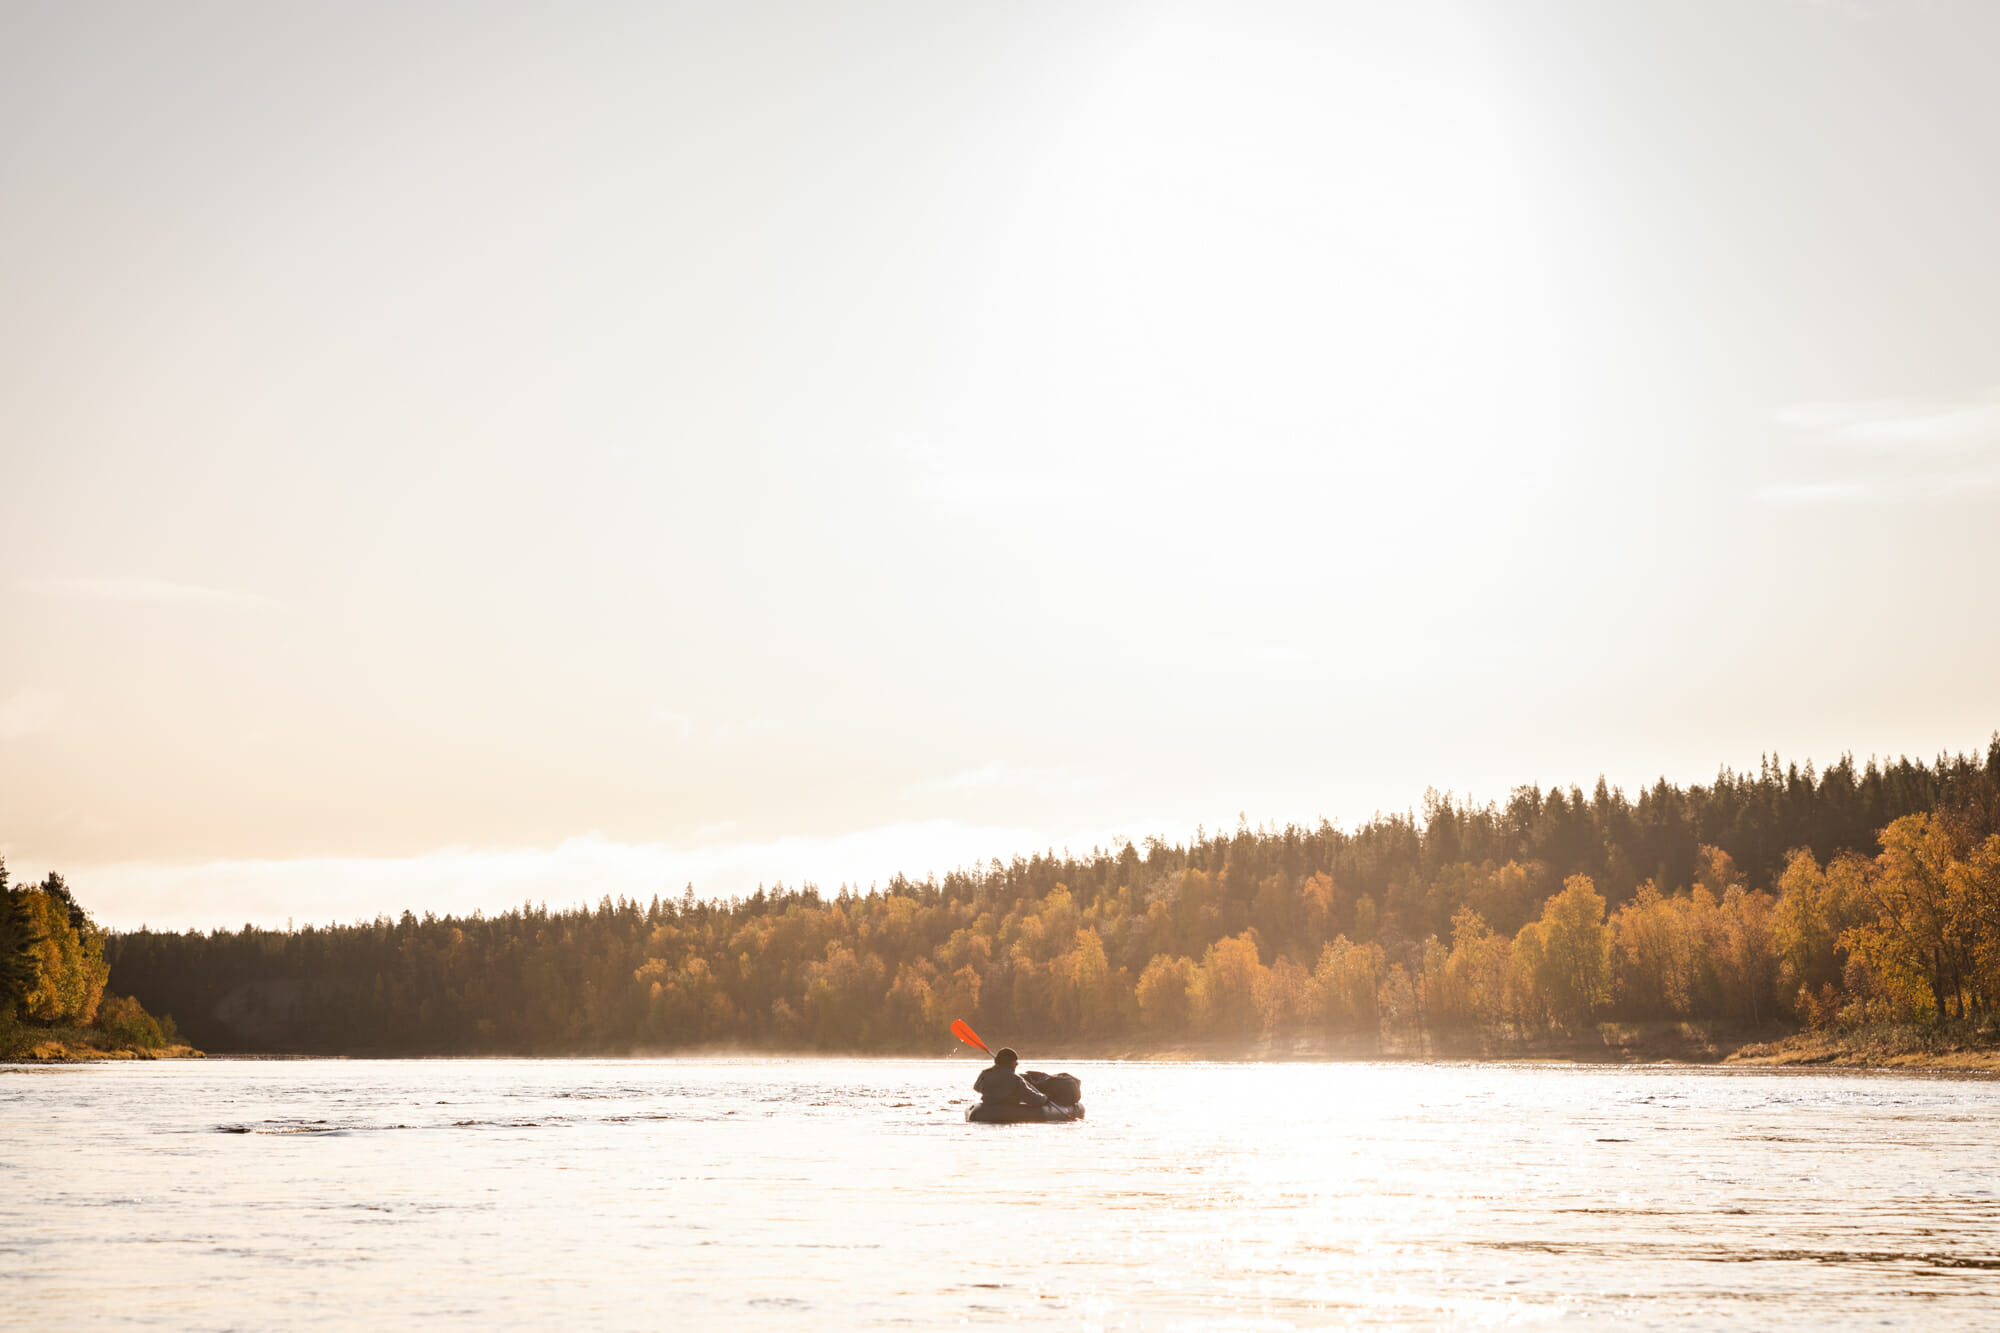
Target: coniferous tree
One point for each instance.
(18, 939)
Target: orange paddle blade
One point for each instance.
(967, 1035)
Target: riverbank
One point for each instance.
(1967, 1046)
(1961, 1047)
(69, 1045)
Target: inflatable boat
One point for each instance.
(1065, 1102)
(1043, 1113)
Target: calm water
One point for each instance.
(821, 1193)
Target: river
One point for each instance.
(851, 1194)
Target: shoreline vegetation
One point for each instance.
(1942, 1048)
(53, 973)
(1949, 1048)
(1786, 917)
(73, 1045)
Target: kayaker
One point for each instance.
(1001, 1086)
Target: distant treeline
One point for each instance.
(1856, 893)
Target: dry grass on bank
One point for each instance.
(1967, 1045)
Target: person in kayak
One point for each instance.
(1001, 1086)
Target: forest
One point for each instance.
(1789, 897)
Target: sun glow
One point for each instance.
(658, 421)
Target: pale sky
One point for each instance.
(450, 456)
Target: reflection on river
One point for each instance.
(851, 1193)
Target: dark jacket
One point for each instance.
(1004, 1087)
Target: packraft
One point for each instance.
(1065, 1102)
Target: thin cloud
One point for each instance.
(157, 592)
(1894, 451)
(1900, 423)
(1880, 490)
(1800, 494)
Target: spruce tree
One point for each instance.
(18, 939)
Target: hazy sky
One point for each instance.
(449, 455)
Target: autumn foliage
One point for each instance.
(52, 967)
(53, 972)
(1849, 896)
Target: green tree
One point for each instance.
(19, 941)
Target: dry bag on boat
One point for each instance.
(1062, 1089)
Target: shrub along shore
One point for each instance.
(68, 1045)
(1734, 920)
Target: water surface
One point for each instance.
(850, 1193)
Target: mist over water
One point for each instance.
(851, 1193)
